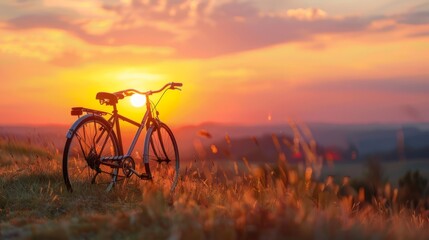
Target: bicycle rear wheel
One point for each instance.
(91, 139)
(162, 156)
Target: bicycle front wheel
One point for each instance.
(91, 139)
(162, 156)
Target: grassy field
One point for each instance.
(392, 171)
(212, 201)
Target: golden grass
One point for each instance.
(211, 201)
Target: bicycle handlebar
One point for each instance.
(173, 84)
(130, 92)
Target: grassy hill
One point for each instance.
(212, 201)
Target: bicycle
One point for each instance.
(93, 152)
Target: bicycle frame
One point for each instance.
(114, 121)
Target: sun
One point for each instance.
(137, 100)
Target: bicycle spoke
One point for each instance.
(104, 143)
(95, 132)
(80, 143)
(79, 169)
(84, 133)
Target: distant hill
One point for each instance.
(386, 141)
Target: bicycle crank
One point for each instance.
(128, 166)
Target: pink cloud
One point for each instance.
(204, 29)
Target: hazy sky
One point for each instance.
(339, 61)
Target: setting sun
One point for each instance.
(137, 100)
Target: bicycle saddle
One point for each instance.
(108, 98)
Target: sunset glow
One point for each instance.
(239, 61)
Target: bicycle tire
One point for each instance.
(89, 139)
(161, 156)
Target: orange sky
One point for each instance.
(240, 61)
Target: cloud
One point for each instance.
(194, 28)
(198, 29)
(256, 30)
(414, 18)
(63, 49)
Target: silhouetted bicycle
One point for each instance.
(93, 153)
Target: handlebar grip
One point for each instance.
(173, 84)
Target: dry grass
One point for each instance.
(212, 201)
